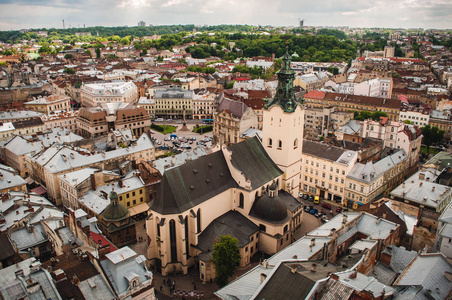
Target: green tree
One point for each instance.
(226, 257)
(377, 114)
(98, 52)
(68, 56)
(125, 40)
(69, 71)
(432, 136)
(408, 122)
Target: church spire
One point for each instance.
(285, 94)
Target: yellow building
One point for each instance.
(49, 104)
(173, 102)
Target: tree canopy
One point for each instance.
(364, 115)
(226, 257)
(432, 136)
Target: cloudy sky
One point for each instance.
(18, 14)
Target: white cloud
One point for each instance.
(17, 14)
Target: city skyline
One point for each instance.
(386, 14)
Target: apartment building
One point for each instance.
(368, 181)
(74, 185)
(49, 104)
(395, 135)
(95, 94)
(324, 169)
(418, 116)
(321, 121)
(203, 105)
(345, 102)
(26, 127)
(148, 104)
(231, 119)
(173, 102)
(97, 121)
(63, 119)
(58, 160)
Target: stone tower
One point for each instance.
(283, 123)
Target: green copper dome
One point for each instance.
(115, 211)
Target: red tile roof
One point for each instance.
(103, 241)
(315, 95)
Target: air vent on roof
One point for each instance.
(210, 165)
(221, 174)
(192, 187)
(195, 171)
(207, 180)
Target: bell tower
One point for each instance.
(283, 121)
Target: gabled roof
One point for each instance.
(191, 184)
(251, 158)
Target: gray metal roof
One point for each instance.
(428, 270)
(421, 191)
(119, 265)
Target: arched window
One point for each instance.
(241, 200)
(270, 142)
(173, 243)
(279, 144)
(187, 244)
(198, 221)
(295, 144)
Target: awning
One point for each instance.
(140, 208)
(40, 190)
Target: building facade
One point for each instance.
(95, 94)
(173, 102)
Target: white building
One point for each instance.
(416, 115)
(94, 94)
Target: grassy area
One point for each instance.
(431, 150)
(203, 129)
(163, 128)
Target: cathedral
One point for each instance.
(247, 190)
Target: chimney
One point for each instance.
(293, 269)
(420, 183)
(120, 183)
(433, 188)
(353, 274)
(314, 268)
(263, 277)
(93, 182)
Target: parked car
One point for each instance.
(307, 208)
(300, 195)
(326, 205)
(316, 199)
(169, 120)
(305, 196)
(313, 211)
(311, 198)
(319, 214)
(338, 209)
(159, 120)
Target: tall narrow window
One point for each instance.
(279, 144)
(241, 200)
(187, 244)
(173, 243)
(295, 144)
(270, 142)
(198, 221)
